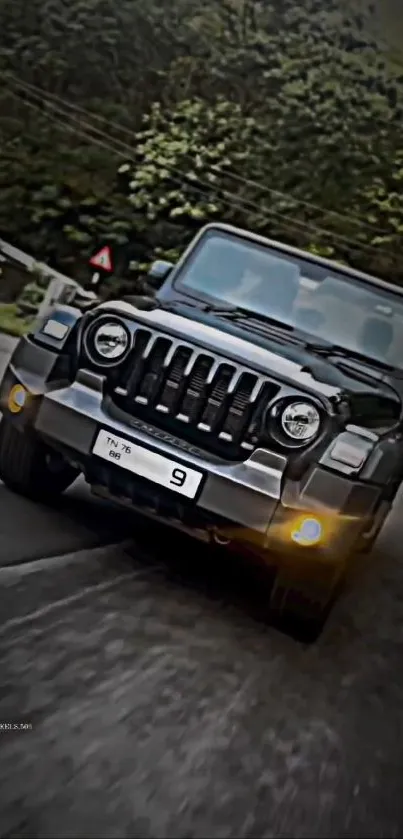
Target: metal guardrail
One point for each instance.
(22, 258)
(60, 288)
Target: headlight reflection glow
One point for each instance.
(110, 340)
(300, 421)
(308, 532)
(107, 342)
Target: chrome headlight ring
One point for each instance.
(107, 341)
(300, 421)
(294, 422)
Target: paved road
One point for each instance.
(161, 706)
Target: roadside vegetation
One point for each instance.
(133, 124)
(11, 321)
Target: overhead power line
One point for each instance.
(115, 146)
(216, 169)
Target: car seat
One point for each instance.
(309, 319)
(376, 337)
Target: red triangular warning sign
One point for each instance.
(102, 259)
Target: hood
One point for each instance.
(289, 363)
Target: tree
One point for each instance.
(277, 116)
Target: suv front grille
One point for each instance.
(212, 402)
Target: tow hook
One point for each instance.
(220, 539)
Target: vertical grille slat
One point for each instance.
(256, 417)
(196, 388)
(175, 381)
(142, 342)
(212, 402)
(154, 371)
(241, 405)
(215, 407)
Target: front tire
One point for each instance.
(368, 540)
(304, 603)
(30, 468)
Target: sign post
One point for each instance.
(102, 262)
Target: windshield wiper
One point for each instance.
(338, 351)
(229, 312)
(173, 305)
(237, 313)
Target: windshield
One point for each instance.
(330, 306)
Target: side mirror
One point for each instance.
(159, 271)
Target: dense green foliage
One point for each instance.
(276, 116)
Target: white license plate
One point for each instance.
(155, 467)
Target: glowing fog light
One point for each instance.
(308, 532)
(17, 399)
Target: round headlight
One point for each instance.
(300, 421)
(107, 342)
(110, 340)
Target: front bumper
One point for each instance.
(250, 503)
(245, 493)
